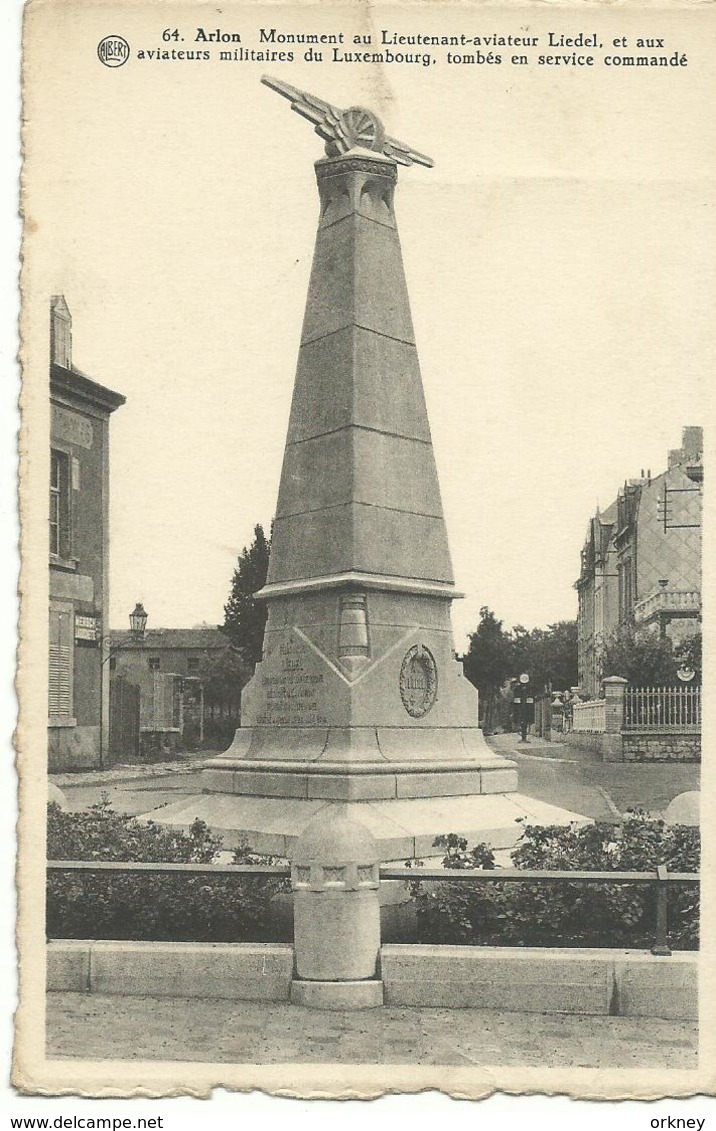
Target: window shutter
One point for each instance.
(60, 675)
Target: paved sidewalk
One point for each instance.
(95, 1027)
(540, 748)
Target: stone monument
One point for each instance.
(359, 698)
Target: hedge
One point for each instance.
(165, 907)
(256, 909)
(567, 915)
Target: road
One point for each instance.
(578, 780)
(134, 789)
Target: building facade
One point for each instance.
(175, 651)
(641, 561)
(189, 682)
(78, 708)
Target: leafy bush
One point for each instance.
(564, 914)
(179, 907)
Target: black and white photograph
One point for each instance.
(367, 366)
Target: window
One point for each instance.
(154, 663)
(113, 663)
(626, 590)
(192, 664)
(60, 543)
(61, 633)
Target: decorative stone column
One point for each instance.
(614, 694)
(335, 881)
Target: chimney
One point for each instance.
(692, 442)
(60, 332)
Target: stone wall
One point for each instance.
(661, 746)
(640, 746)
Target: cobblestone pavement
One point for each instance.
(95, 1027)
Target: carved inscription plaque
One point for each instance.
(291, 689)
(418, 681)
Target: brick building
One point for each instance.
(641, 561)
(78, 708)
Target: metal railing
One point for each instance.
(662, 708)
(160, 868)
(660, 879)
(589, 718)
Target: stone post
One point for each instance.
(614, 694)
(336, 911)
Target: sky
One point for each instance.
(557, 258)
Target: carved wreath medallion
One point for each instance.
(418, 681)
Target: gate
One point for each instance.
(123, 721)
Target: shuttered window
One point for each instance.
(60, 682)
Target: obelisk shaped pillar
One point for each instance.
(359, 490)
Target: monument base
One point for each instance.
(359, 763)
(405, 828)
(337, 995)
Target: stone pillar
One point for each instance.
(614, 694)
(335, 881)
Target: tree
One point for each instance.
(489, 661)
(644, 660)
(649, 660)
(687, 653)
(549, 654)
(224, 674)
(244, 616)
(212, 698)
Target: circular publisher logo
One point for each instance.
(113, 51)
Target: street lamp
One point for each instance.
(526, 703)
(138, 621)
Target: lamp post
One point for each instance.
(138, 621)
(526, 702)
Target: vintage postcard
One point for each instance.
(367, 391)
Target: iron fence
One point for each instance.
(662, 708)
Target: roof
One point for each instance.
(79, 387)
(157, 639)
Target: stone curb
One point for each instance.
(527, 979)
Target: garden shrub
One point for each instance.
(569, 915)
(179, 907)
